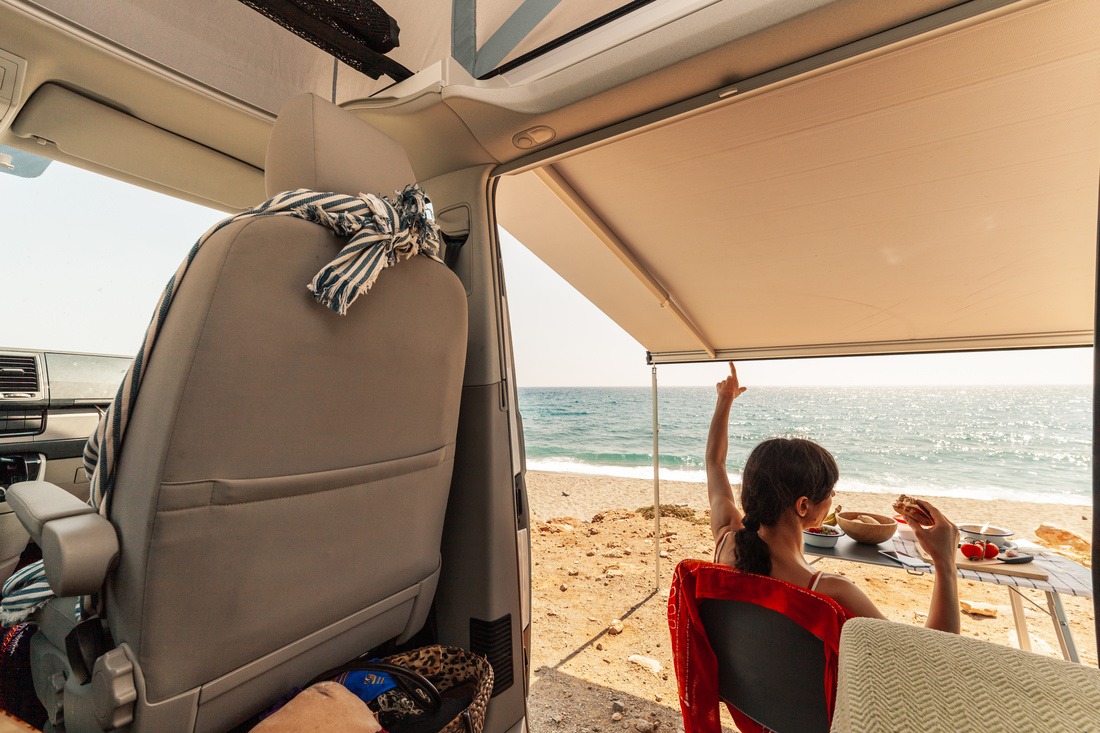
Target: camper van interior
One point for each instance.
(281, 487)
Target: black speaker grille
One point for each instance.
(358, 32)
(493, 640)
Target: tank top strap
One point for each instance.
(721, 544)
(814, 579)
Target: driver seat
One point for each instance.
(280, 496)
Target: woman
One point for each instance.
(787, 487)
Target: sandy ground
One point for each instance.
(587, 574)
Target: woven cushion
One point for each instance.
(895, 677)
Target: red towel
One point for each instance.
(696, 664)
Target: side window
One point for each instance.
(85, 257)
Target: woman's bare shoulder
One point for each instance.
(848, 594)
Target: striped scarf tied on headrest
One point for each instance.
(382, 230)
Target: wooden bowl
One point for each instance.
(868, 534)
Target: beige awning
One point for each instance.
(937, 195)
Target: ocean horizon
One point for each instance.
(1023, 443)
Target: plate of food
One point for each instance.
(977, 551)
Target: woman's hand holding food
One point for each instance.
(940, 540)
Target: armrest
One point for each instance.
(39, 502)
(78, 552)
(79, 547)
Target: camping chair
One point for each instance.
(766, 648)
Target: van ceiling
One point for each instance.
(229, 47)
(937, 194)
(237, 52)
(214, 72)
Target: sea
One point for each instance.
(1030, 443)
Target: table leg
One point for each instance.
(1061, 627)
(1018, 618)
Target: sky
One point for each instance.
(94, 255)
(96, 265)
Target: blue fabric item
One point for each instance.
(367, 685)
(382, 232)
(28, 590)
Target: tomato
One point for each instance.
(991, 551)
(973, 550)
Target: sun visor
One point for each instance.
(937, 195)
(94, 132)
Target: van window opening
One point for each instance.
(89, 257)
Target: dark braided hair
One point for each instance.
(778, 472)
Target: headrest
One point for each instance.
(316, 145)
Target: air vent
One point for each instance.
(18, 374)
(493, 640)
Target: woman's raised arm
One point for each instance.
(723, 511)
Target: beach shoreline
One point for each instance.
(553, 494)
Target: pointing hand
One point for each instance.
(729, 388)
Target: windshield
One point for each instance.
(89, 256)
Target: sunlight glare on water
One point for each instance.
(1023, 443)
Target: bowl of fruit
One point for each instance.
(823, 536)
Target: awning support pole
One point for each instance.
(1096, 444)
(656, 491)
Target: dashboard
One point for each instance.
(50, 402)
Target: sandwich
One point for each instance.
(908, 507)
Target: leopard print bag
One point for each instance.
(450, 669)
